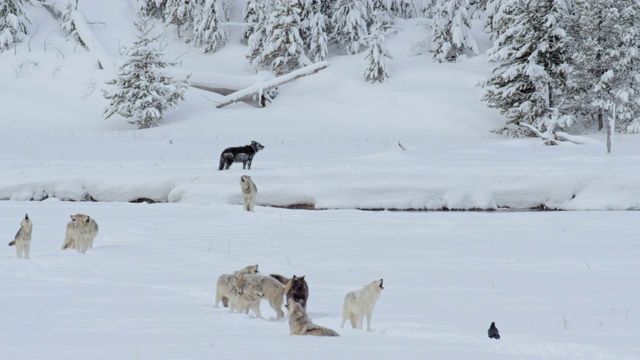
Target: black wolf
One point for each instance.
(296, 288)
(243, 154)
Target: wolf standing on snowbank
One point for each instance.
(249, 192)
(81, 231)
(22, 241)
(299, 323)
(360, 303)
(243, 154)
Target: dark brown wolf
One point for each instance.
(243, 154)
(296, 288)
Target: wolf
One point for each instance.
(22, 240)
(249, 192)
(243, 154)
(81, 231)
(295, 288)
(226, 286)
(248, 298)
(272, 288)
(299, 323)
(360, 303)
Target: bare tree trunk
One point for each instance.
(600, 120)
(611, 127)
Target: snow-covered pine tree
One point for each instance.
(141, 90)
(13, 21)
(284, 49)
(317, 47)
(376, 56)
(154, 8)
(452, 32)
(528, 82)
(606, 62)
(306, 12)
(180, 13)
(401, 8)
(67, 24)
(208, 32)
(259, 35)
(349, 23)
(250, 17)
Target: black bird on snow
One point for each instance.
(493, 331)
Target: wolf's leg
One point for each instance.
(244, 165)
(276, 304)
(26, 250)
(344, 319)
(369, 321)
(19, 249)
(360, 321)
(249, 164)
(228, 163)
(256, 309)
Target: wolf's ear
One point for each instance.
(302, 277)
(88, 218)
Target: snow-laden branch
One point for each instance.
(107, 62)
(260, 87)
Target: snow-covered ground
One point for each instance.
(557, 284)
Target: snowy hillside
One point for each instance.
(558, 284)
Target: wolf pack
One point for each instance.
(243, 290)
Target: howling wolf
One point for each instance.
(249, 192)
(243, 154)
(22, 241)
(81, 231)
(299, 323)
(360, 303)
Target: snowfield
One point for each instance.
(559, 285)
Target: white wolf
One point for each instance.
(81, 231)
(249, 192)
(360, 303)
(273, 290)
(299, 323)
(248, 298)
(22, 241)
(226, 287)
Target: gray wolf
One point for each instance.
(360, 303)
(226, 287)
(22, 240)
(81, 231)
(248, 298)
(249, 192)
(299, 323)
(243, 154)
(295, 288)
(273, 290)
(493, 331)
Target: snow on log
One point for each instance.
(215, 82)
(107, 62)
(245, 94)
(580, 140)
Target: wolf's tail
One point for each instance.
(283, 280)
(12, 243)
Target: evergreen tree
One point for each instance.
(349, 24)
(284, 49)
(154, 8)
(376, 56)
(12, 22)
(451, 31)
(318, 48)
(180, 13)
(250, 17)
(259, 35)
(606, 62)
(208, 32)
(141, 90)
(528, 82)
